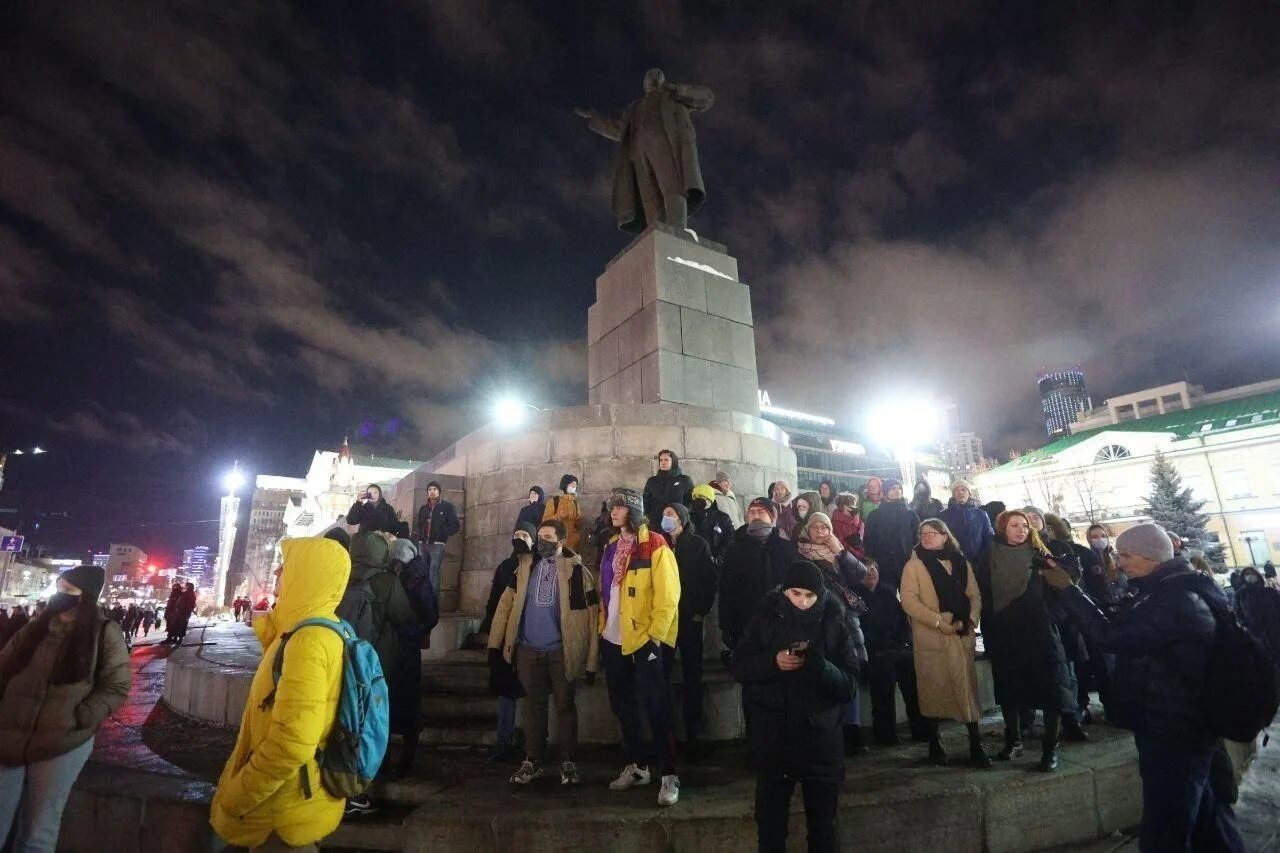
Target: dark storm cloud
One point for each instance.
(323, 217)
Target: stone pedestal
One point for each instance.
(672, 324)
(604, 447)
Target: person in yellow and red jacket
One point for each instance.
(269, 795)
(640, 587)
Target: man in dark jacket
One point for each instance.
(754, 564)
(798, 664)
(892, 531)
(437, 521)
(668, 486)
(503, 681)
(1162, 638)
(712, 523)
(923, 503)
(699, 577)
(372, 512)
(967, 521)
(890, 663)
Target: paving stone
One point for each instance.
(1029, 810)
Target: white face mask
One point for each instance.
(1099, 544)
(573, 489)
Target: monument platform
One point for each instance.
(457, 801)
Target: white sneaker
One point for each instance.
(669, 793)
(630, 777)
(527, 773)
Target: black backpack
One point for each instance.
(1240, 699)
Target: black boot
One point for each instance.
(1072, 730)
(1012, 736)
(1049, 744)
(853, 744)
(937, 755)
(977, 755)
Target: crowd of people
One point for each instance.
(817, 595)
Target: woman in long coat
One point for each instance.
(940, 594)
(1021, 635)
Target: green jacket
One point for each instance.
(39, 720)
(371, 561)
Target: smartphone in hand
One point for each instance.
(798, 648)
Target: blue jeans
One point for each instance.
(435, 555)
(1179, 808)
(36, 794)
(506, 719)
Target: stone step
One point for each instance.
(457, 677)
(450, 633)
(479, 705)
(384, 830)
(458, 731)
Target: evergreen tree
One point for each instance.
(1172, 507)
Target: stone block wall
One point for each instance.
(604, 446)
(672, 324)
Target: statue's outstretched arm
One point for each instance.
(610, 128)
(696, 98)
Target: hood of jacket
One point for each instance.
(314, 577)
(675, 467)
(370, 554)
(542, 493)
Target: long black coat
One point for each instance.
(750, 570)
(795, 716)
(891, 533)
(1259, 610)
(699, 575)
(503, 680)
(1027, 659)
(664, 489)
(884, 623)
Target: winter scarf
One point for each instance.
(950, 586)
(1010, 572)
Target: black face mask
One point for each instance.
(519, 545)
(61, 602)
(547, 549)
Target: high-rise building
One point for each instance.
(1062, 397)
(101, 560)
(195, 564)
(962, 453)
(125, 564)
(271, 495)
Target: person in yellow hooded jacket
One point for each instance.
(264, 800)
(640, 588)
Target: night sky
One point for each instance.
(243, 230)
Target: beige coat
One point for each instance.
(945, 674)
(579, 612)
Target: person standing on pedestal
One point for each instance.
(535, 509)
(564, 506)
(699, 577)
(726, 500)
(640, 582)
(546, 625)
(891, 534)
(503, 681)
(372, 512)
(785, 515)
(669, 486)
(437, 521)
(710, 522)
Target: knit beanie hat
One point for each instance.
(634, 502)
(818, 518)
(682, 513)
(803, 575)
(705, 493)
(528, 528)
(87, 579)
(767, 505)
(1034, 510)
(402, 551)
(342, 537)
(1146, 540)
(958, 483)
(890, 484)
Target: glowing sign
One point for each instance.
(850, 447)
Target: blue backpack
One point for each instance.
(358, 742)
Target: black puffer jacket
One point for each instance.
(795, 716)
(1162, 638)
(884, 623)
(1259, 610)
(750, 570)
(665, 488)
(891, 533)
